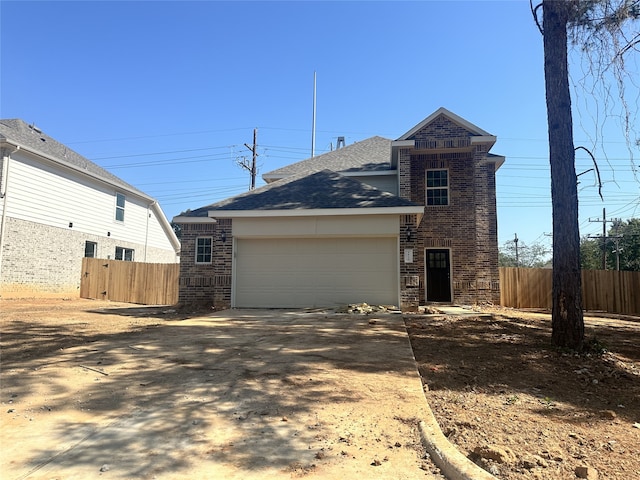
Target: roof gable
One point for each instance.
(320, 190)
(370, 155)
(444, 116)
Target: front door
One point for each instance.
(438, 267)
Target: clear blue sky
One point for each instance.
(165, 94)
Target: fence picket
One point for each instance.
(605, 290)
(130, 282)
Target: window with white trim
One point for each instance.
(437, 187)
(90, 249)
(120, 201)
(126, 254)
(204, 249)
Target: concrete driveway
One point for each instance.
(232, 395)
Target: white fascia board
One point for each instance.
(497, 160)
(180, 219)
(408, 210)
(484, 139)
(403, 143)
(166, 226)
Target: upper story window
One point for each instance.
(204, 250)
(437, 187)
(120, 201)
(90, 249)
(126, 254)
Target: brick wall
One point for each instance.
(206, 284)
(44, 261)
(467, 227)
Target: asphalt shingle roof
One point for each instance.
(18, 131)
(372, 154)
(320, 190)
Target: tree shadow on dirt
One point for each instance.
(164, 397)
(500, 354)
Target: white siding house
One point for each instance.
(57, 207)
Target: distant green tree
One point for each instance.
(534, 255)
(623, 245)
(590, 254)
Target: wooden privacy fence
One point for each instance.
(130, 282)
(605, 290)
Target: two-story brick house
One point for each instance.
(408, 222)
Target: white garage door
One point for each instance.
(310, 272)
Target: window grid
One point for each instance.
(204, 249)
(437, 187)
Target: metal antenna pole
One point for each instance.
(313, 122)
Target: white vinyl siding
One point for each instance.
(47, 194)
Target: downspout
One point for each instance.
(3, 196)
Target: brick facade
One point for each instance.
(467, 227)
(207, 284)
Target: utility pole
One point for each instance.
(515, 240)
(251, 168)
(604, 221)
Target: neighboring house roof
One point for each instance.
(29, 138)
(370, 155)
(324, 190)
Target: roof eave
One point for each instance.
(183, 219)
(77, 169)
(313, 212)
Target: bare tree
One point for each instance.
(586, 23)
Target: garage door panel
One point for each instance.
(304, 272)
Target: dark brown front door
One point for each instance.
(438, 276)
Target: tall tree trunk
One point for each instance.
(567, 319)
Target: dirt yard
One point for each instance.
(521, 409)
(500, 392)
(116, 391)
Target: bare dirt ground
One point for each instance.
(522, 409)
(500, 392)
(96, 389)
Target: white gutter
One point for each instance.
(3, 195)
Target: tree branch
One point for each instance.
(632, 43)
(534, 12)
(595, 164)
